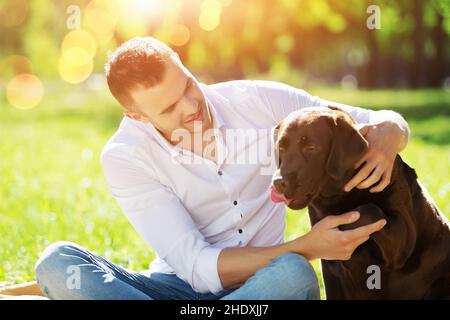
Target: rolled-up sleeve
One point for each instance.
(282, 99)
(160, 218)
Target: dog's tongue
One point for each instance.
(275, 196)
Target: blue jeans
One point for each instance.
(67, 271)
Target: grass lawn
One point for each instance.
(52, 188)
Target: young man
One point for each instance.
(206, 214)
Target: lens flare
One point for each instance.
(179, 35)
(79, 39)
(13, 12)
(144, 9)
(208, 23)
(211, 7)
(75, 65)
(14, 65)
(25, 91)
(210, 15)
(101, 18)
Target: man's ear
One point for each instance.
(347, 147)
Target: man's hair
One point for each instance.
(139, 61)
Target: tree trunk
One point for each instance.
(418, 45)
(438, 65)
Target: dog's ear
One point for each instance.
(274, 143)
(347, 147)
(341, 112)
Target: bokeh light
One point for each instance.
(13, 12)
(211, 7)
(210, 12)
(101, 18)
(25, 91)
(79, 39)
(14, 65)
(77, 52)
(349, 82)
(75, 65)
(143, 9)
(179, 35)
(137, 17)
(446, 84)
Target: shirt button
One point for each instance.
(235, 202)
(219, 173)
(240, 242)
(240, 230)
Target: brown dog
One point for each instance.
(318, 148)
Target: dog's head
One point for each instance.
(313, 145)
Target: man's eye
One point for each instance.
(309, 148)
(170, 109)
(189, 85)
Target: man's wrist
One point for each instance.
(399, 132)
(397, 126)
(301, 245)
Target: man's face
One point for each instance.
(175, 103)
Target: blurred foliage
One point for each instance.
(301, 41)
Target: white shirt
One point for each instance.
(188, 211)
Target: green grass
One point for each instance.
(52, 186)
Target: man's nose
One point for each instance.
(280, 184)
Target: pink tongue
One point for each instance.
(275, 196)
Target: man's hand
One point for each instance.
(326, 241)
(386, 139)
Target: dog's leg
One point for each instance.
(333, 288)
(368, 213)
(395, 241)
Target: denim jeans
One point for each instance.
(67, 271)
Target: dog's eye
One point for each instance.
(302, 140)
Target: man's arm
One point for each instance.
(325, 241)
(160, 218)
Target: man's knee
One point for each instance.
(296, 271)
(52, 266)
(293, 262)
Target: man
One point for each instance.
(173, 169)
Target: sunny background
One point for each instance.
(56, 112)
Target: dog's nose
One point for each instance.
(280, 184)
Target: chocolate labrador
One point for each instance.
(318, 148)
